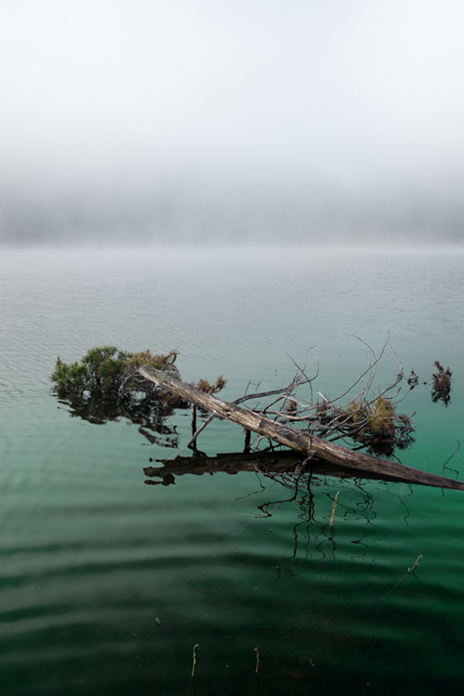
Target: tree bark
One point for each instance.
(298, 440)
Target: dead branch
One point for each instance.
(303, 442)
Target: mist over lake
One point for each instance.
(193, 122)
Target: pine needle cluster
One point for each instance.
(106, 370)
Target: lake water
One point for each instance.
(107, 583)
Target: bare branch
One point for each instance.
(201, 428)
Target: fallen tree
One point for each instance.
(146, 388)
(305, 442)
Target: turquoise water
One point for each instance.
(107, 584)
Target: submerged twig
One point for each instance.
(194, 659)
(334, 507)
(416, 562)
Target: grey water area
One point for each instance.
(107, 583)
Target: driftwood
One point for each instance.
(299, 440)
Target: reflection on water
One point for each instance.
(107, 583)
(149, 415)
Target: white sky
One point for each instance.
(359, 94)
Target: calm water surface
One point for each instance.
(107, 583)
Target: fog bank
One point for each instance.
(198, 122)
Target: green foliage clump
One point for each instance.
(107, 386)
(204, 385)
(441, 384)
(378, 426)
(105, 369)
(372, 424)
(72, 377)
(160, 362)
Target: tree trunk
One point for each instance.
(298, 440)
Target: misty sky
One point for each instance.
(188, 120)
